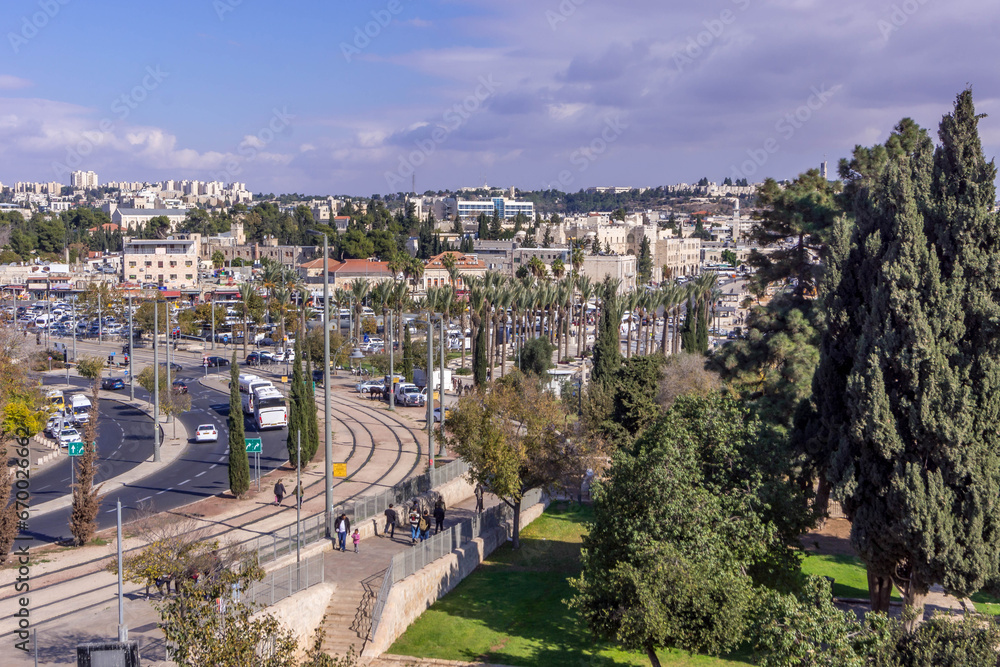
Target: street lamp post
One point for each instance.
(166, 342)
(156, 383)
(441, 451)
(430, 388)
(392, 368)
(327, 423)
(131, 352)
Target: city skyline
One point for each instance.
(571, 94)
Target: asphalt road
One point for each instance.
(199, 472)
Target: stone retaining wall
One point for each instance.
(413, 595)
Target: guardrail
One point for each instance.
(281, 543)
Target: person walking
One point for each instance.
(479, 498)
(424, 525)
(343, 526)
(357, 540)
(297, 492)
(438, 516)
(414, 519)
(279, 492)
(390, 522)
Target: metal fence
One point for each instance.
(282, 542)
(375, 504)
(415, 559)
(288, 580)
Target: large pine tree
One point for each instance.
(916, 465)
(608, 347)
(239, 464)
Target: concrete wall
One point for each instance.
(302, 612)
(413, 595)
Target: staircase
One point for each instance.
(348, 617)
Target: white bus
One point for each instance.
(270, 410)
(248, 383)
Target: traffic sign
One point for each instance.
(340, 470)
(366, 339)
(253, 445)
(75, 449)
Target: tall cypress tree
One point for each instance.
(689, 329)
(297, 419)
(701, 328)
(406, 368)
(479, 357)
(607, 346)
(239, 464)
(917, 466)
(310, 405)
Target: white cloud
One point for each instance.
(11, 82)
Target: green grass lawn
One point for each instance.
(850, 579)
(511, 611)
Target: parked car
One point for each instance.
(366, 386)
(174, 367)
(180, 387)
(55, 424)
(216, 362)
(437, 414)
(68, 435)
(254, 359)
(206, 433)
(112, 383)
(317, 375)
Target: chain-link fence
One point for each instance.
(288, 580)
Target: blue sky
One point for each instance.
(353, 97)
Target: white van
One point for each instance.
(80, 405)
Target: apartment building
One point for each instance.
(507, 209)
(436, 275)
(83, 179)
(171, 263)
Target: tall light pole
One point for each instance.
(100, 318)
(156, 382)
(327, 421)
(166, 327)
(122, 628)
(392, 368)
(430, 387)
(131, 352)
(441, 451)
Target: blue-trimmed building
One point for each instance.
(507, 208)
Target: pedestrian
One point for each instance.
(297, 492)
(424, 525)
(414, 519)
(357, 540)
(438, 516)
(279, 492)
(479, 497)
(343, 527)
(390, 522)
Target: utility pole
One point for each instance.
(122, 628)
(156, 383)
(430, 387)
(170, 389)
(441, 451)
(392, 368)
(131, 340)
(298, 501)
(76, 316)
(100, 318)
(327, 423)
(213, 320)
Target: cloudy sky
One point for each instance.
(354, 96)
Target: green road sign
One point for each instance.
(75, 449)
(253, 445)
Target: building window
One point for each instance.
(159, 264)
(149, 263)
(131, 277)
(188, 263)
(188, 277)
(131, 265)
(173, 276)
(173, 264)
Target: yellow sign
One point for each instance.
(340, 470)
(284, 378)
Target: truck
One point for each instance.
(420, 378)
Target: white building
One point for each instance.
(508, 209)
(170, 262)
(83, 179)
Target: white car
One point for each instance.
(68, 435)
(206, 433)
(366, 386)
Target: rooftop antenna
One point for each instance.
(414, 183)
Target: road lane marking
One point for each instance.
(184, 482)
(201, 473)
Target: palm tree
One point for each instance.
(576, 260)
(281, 301)
(246, 293)
(586, 289)
(359, 289)
(413, 270)
(558, 269)
(381, 295)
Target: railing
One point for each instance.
(374, 505)
(281, 543)
(420, 556)
(288, 581)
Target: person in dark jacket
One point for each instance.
(279, 492)
(342, 526)
(438, 517)
(390, 522)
